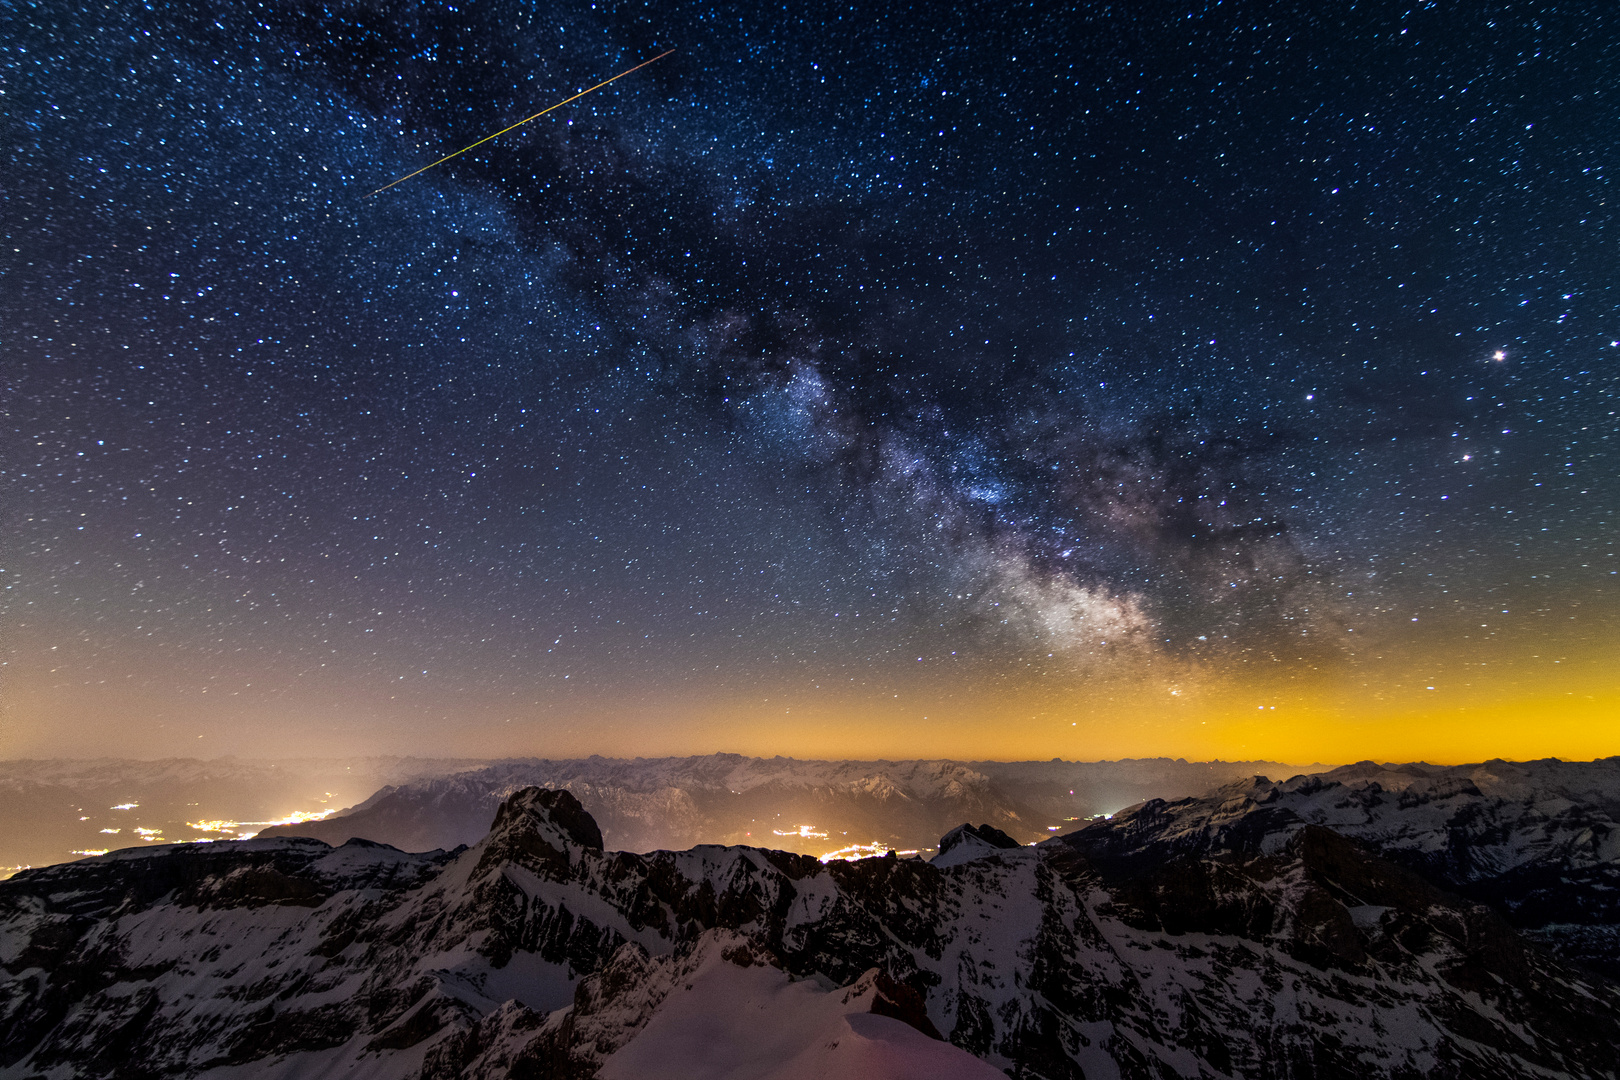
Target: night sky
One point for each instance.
(1000, 381)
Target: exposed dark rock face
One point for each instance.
(986, 834)
(1538, 841)
(1217, 938)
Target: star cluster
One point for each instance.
(856, 379)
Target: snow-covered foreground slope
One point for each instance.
(726, 1013)
(1271, 948)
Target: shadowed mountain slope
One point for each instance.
(1218, 939)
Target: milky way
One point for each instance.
(847, 349)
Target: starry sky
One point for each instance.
(1002, 380)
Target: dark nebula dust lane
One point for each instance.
(1008, 380)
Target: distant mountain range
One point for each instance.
(814, 807)
(53, 810)
(1263, 930)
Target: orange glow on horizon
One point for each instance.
(1443, 697)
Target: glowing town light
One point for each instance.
(875, 850)
(297, 817)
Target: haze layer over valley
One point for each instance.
(55, 811)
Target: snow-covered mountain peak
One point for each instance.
(879, 786)
(1234, 934)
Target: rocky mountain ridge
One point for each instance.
(1222, 937)
(1537, 841)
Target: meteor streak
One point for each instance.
(520, 123)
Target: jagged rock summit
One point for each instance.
(543, 810)
(965, 843)
(1231, 938)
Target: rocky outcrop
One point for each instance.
(1537, 842)
(1228, 937)
(965, 843)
